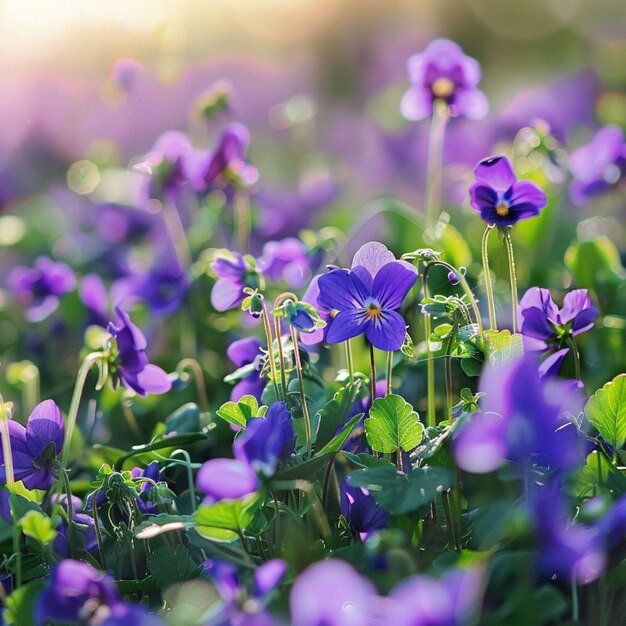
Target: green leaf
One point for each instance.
(177, 441)
(401, 493)
(332, 415)
(162, 523)
(185, 419)
(599, 475)
(366, 460)
(606, 410)
(341, 437)
(595, 264)
(503, 346)
(306, 470)
(170, 565)
(39, 526)
(393, 424)
(21, 603)
(224, 520)
(240, 412)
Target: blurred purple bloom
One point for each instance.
(266, 440)
(95, 297)
(443, 72)
(36, 447)
(366, 299)
(224, 168)
(312, 297)
(243, 352)
(84, 529)
(224, 576)
(234, 273)
(131, 366)
(268, 576)
(499, 197)
(421, 600)
(223, 479)
(598, 165)
(361, 510)
(523, 419)
(545, 327)
(332, 593)
(286, 260)
(39, 288)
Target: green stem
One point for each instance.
(488, 286)
(198, 375)
(270, 349)
(176, 232)
(445, 498)
(432, 199)
(431, 418)
(188, 466)
(305, 407)
(96, 523)
(281, 358)
(512, 275)
(372, 374)
(71, 538)
(574, 591)
(243, 223)
(389, 371)
(576, 355)
(349, 361)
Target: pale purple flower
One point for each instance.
(228, 479)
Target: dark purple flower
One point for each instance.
(84, 529)
(243, 352)
(499, 197)
(360, 509)
(598, 165)
(35, 448)
(228, 479)
(443, 72)
(39, 288)
(151, 472)
(225, 168)
(286, 260)
(546, 327)
(332, 593)
(131, 366)
(266, 440)
(421, 600)
(365, 299)
(524, 419)
(224, 576)
(234, 273)
(76, 594)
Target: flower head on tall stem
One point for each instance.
(443, 73)
(499, 198)
(234, 273)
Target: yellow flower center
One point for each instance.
(442, 88)
(373, 311)
(502, 209)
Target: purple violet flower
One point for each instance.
(365, 299)
(286, 260)
(234, 273)
(228, 479)
(243, 352)
(349, 599)
(131, 367)
(39, 288)
(84, 529)
(312, 297)
(443, 72)
(152, 472)
(266, 440)
(361, 510)
(598, 165)
(93, 293)
(499, 197)
(524, 419)
(35, 448)
(546, 327)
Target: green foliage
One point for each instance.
(333, 414)
(393, 424)
(169, 565)
(503, 346)
(227, 519)
(606, 410)
(240, 412)
(20, 604)
(39, 526)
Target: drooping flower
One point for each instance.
(244, 352)
(39, 288)
(152, 473)
(234, 273)
(524, 419)
(266, 440)
(499, 198)
(598, 165)
(365, 299)
(35, 448)
(546, 327)
(84, 529)
(130, 365)
(228, 479)
(361, 510)
(349, 599)
(443, 72)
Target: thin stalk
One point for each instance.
(389, 371)
(96, 523)
(281, 357)
(176, 232)
(198, 375)
(488, 286)
(373, 374)
(71, 538)
(305, 407)
(188, 466)
(270, 349)
(576, 355)
(512, 275)
(243, 221)
(445, 498)
(448, 371)
(349, 361)
(432, 196)
(574, 592)
(399, 462)
(431, 417)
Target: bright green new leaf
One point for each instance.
(38, 526)
(224, 520)
(606, 410)
(393, 424)
(240, 412)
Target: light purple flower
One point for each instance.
(443, 72)
(499, 198)
(39, 288)
(243, 352)
(598, 165)
(228, 479)
(234, 273)
(286, 260)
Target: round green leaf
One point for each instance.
(393, 424)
